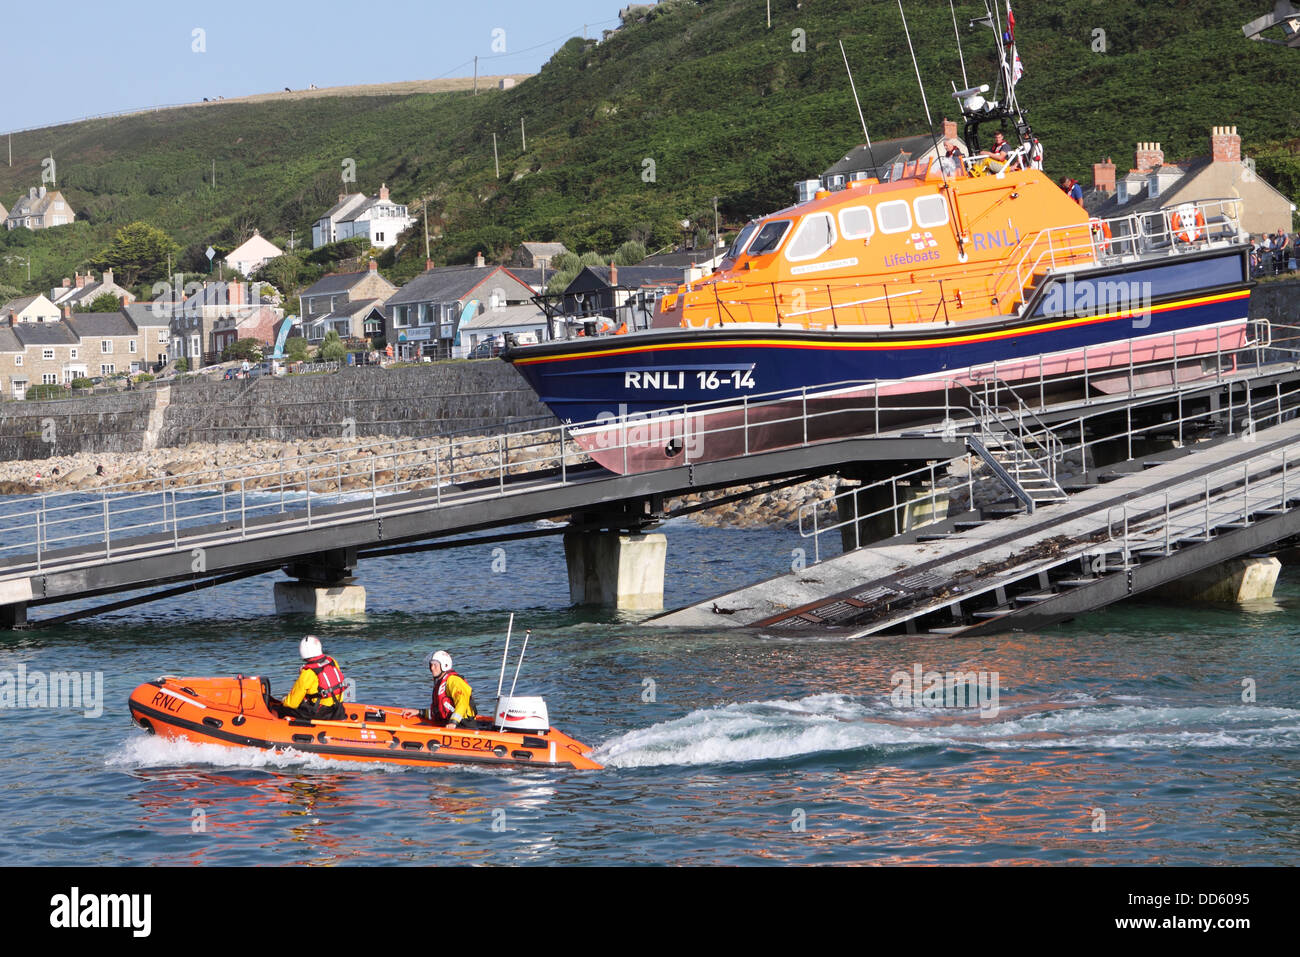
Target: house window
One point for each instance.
(379, 237)
(130, 345)
(50, 378)
(106, 368)
(47, 353)
(18, 360)
(72, 353)
(194, 346)
(106, 346)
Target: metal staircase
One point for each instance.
(1023, 459)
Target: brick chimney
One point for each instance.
(478, 261)
(1225, 144)
(342, 196)
(1149, 156)
(81, 280)
(374, 266)
(613, 274)
(67, 311)
(234, 293)
(383, 191)
(949, 129)
(1103, 176)
(67, 283)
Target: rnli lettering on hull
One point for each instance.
(819, 267)
(654, 380)
(995, 239)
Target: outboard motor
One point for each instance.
(522, 714)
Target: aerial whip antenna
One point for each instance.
(861, 118)
(908, 33)
(938, 153)
(953, 10)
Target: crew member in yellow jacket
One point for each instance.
(453, 701)
(318, 692)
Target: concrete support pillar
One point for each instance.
(616, 570)
(1237, 580)
(323, 601)
(13, 616)
(14, 596)
(324, 586)
(900, 508)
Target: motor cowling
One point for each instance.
(522, 714)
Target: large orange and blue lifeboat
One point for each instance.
(893, 292)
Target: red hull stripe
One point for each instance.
(898, 344)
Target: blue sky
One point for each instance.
(138, 53)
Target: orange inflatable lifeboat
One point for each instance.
(237, 712)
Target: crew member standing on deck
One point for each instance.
(318, 692)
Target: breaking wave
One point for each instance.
(829, 723)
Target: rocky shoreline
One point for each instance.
(334, 465)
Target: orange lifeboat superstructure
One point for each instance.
(925, 247)
(237, 712)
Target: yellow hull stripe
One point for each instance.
(986, 336)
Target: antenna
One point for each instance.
(501, 680)
(960, 55)
(938, 157)
(861, 118)
(908, 33)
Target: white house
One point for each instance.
(379, 219)
(36, 308)
(252, 254)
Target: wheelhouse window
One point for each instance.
(856, 222)
(815, 235)
(931, 211)
(769, 237)
(738, 246)
(895, 216)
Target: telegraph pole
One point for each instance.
(495, 161)
(522, 135)
(476, 75)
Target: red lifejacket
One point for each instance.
(329, 679)
(443, 707)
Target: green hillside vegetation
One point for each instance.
(720, 106)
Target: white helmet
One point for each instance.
(309, 647)
(443, 659)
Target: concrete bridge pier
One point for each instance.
(14, 596)
(1236, 580)
(613, 562)
(323, 586)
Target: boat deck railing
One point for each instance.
(1174, 230)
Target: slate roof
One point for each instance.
(340, 204)
(885, 153)
(446, 284)
(45, 334)
(18, 305)
(89, 325)
(8, 340)
(335, 282)
(349, 309)
(142, 314)
(638, 277)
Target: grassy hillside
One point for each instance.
(721, 105)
